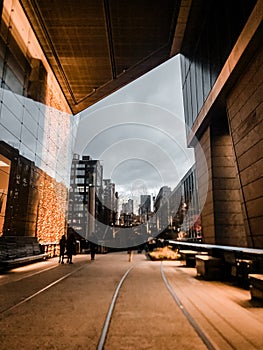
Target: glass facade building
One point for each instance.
(205, 53)
(37, 132)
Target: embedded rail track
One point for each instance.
(195, 326)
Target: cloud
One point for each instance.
(139, 132)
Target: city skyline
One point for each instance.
(138, 133)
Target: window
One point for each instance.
(80, 172)
(78, 207)
(80, 180)
(81, 188)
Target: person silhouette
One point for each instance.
(62, 246)
(71, 242)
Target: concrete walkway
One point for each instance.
(70, 314)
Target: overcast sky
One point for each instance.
(138, 133)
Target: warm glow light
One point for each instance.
(3, 164)
(51, 211)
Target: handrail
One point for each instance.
(223, 247)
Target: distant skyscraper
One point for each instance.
(130, 206)
(145, 206)
(127, 207)
(109, 202)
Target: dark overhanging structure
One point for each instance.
(94, 48)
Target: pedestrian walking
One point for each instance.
(62, 246)
(71, 246)
(129, 255)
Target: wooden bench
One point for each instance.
(16, 251)
(209, 267)
(25, 259)
(243, 268)
(189, 257)
(256, 286)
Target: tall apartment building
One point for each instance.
(85, 195)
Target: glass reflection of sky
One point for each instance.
(42, 134)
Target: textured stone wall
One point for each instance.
(229, 222)
(219, 186)
(245, 113)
